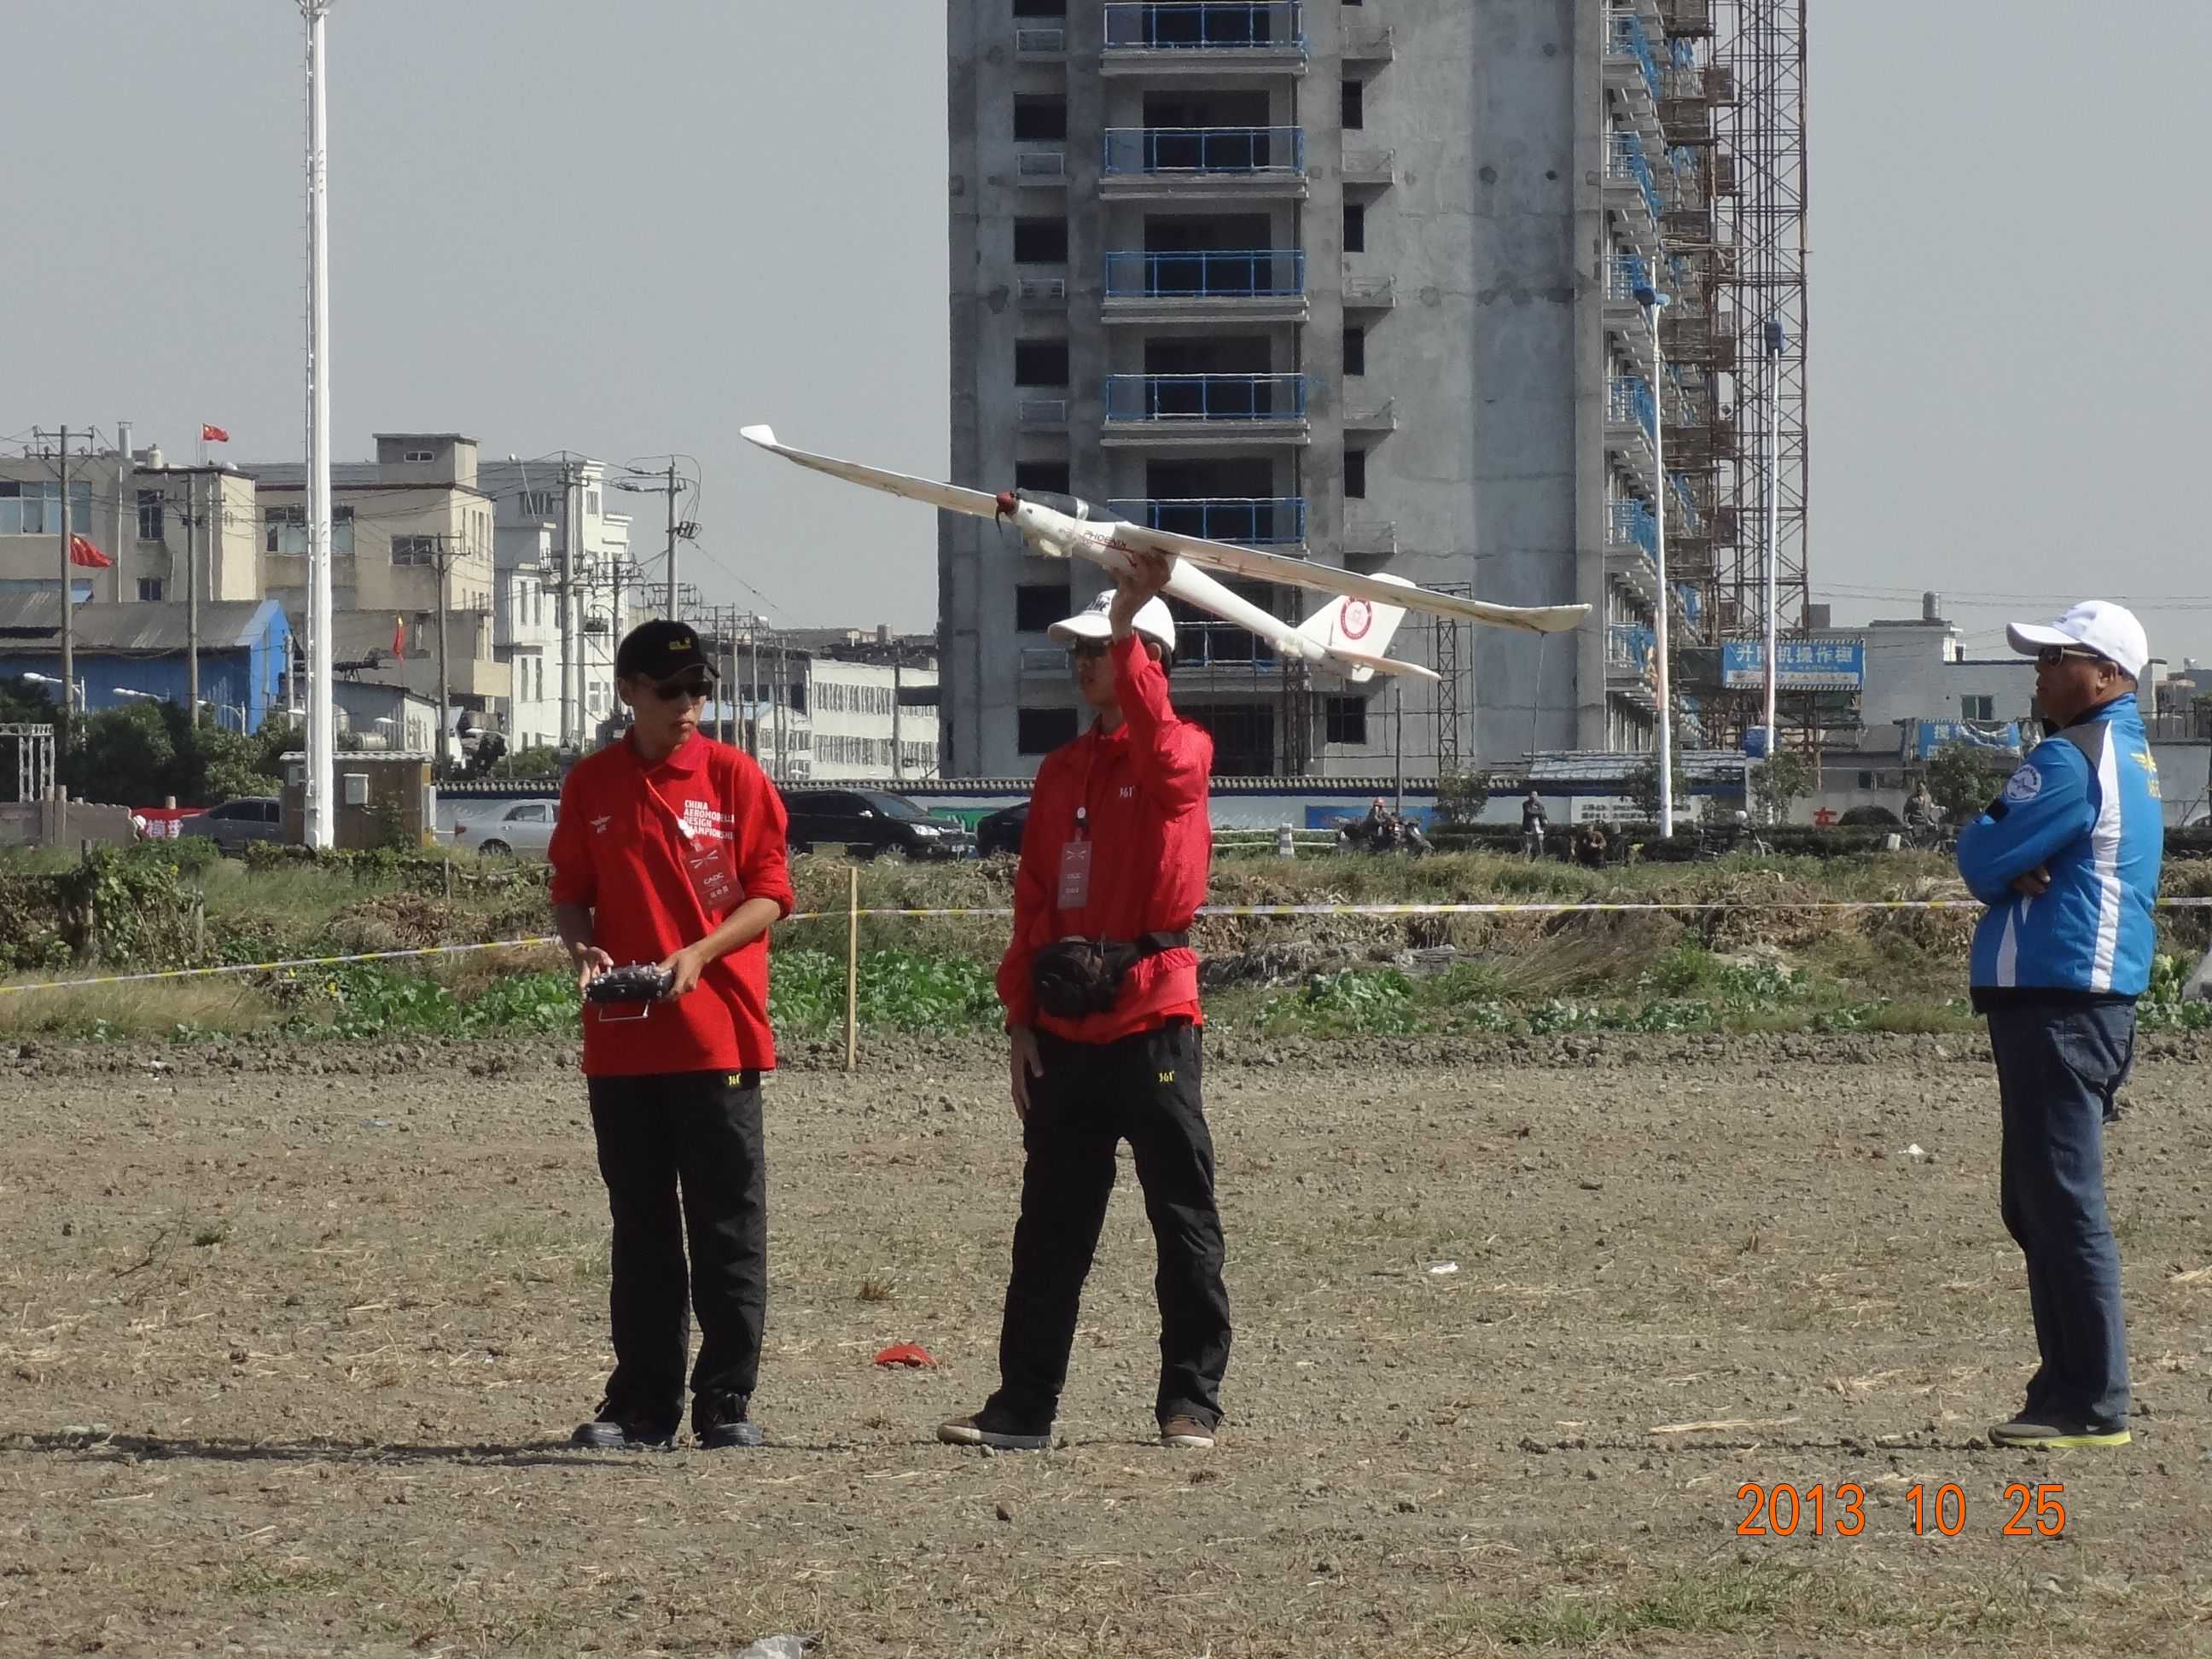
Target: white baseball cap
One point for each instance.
(2110, 631)
(1154, 621)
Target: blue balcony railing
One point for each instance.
(1632, 401)
(1635, 525)
(1216, 25)
(1258, 521)
(1624, 273)
(1629, 647)
(1625, 39)
(1205, 149)
(1209, 274)
(1623, 159)
(1206, 397)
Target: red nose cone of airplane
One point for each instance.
(1006, 501)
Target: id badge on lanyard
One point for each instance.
(707, 864)
(1075, 865)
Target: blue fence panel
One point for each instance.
(1630, 645)
(1204, 150)
(1207, 274)
(1218, 25)
(1206, 397)
(1257, 521)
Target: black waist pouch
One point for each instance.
(1073, 977)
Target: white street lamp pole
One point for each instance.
(322, 729)
(1776, 340)
(1654, 302)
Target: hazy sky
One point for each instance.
(631, 229)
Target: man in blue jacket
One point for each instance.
(2066, 857)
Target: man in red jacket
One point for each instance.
(669, 851)
(1114, 854)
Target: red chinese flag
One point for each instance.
(84, 553)
(214, 434)
(399, 636)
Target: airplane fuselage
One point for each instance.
(1058, 535)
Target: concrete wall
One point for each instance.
(1492, 359)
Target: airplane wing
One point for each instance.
(952, 497)
(1256, 566)
(1410, 671)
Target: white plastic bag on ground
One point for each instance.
(774, 1647)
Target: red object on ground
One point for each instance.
(906, 1353)
(84, 553)
(214, 434)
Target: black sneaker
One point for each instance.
(984, 1429)
(718, 1421)
(614, 1430)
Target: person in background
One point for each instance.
(669, 850)
(1101, 991)
(1532, 825)
(2067, 859)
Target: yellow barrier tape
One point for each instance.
(274, 967)
(1498, 910)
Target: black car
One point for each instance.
(871, 824)
(1001, 832)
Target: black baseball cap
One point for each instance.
(660, 652)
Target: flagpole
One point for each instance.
(322, 734)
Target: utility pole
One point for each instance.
(783, 687)
(671, 539)
(122, 482)
(192, 596)
(898, 751)
(444, 557)
(322, 727)
(570, 518)
(752, 685)
(69, 619)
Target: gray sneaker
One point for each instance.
(984, 1430)
(2049, 1435)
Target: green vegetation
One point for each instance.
(1964, 778)
(1759, 956)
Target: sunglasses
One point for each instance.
(2051, 656)
(677, 691)
(1084, 649)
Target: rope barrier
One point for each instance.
(1486, 910)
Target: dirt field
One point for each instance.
(292, 1341)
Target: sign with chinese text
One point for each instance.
(1802, 664)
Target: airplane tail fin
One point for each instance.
(1356, 633)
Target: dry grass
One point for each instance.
(149, 1009)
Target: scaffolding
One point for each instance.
(1733, 112)
(1762, 224)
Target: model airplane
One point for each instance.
(1347, 637)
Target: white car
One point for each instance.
(521, 827)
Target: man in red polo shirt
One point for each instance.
(670, 852)
(1114, 854)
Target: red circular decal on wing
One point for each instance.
(1359, 618)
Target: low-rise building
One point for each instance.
(133, 652)
(534, 503)
(153, 522)
(411, 536)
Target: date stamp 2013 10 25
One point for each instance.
(1784, 1509)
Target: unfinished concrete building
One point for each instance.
(1369, 283)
